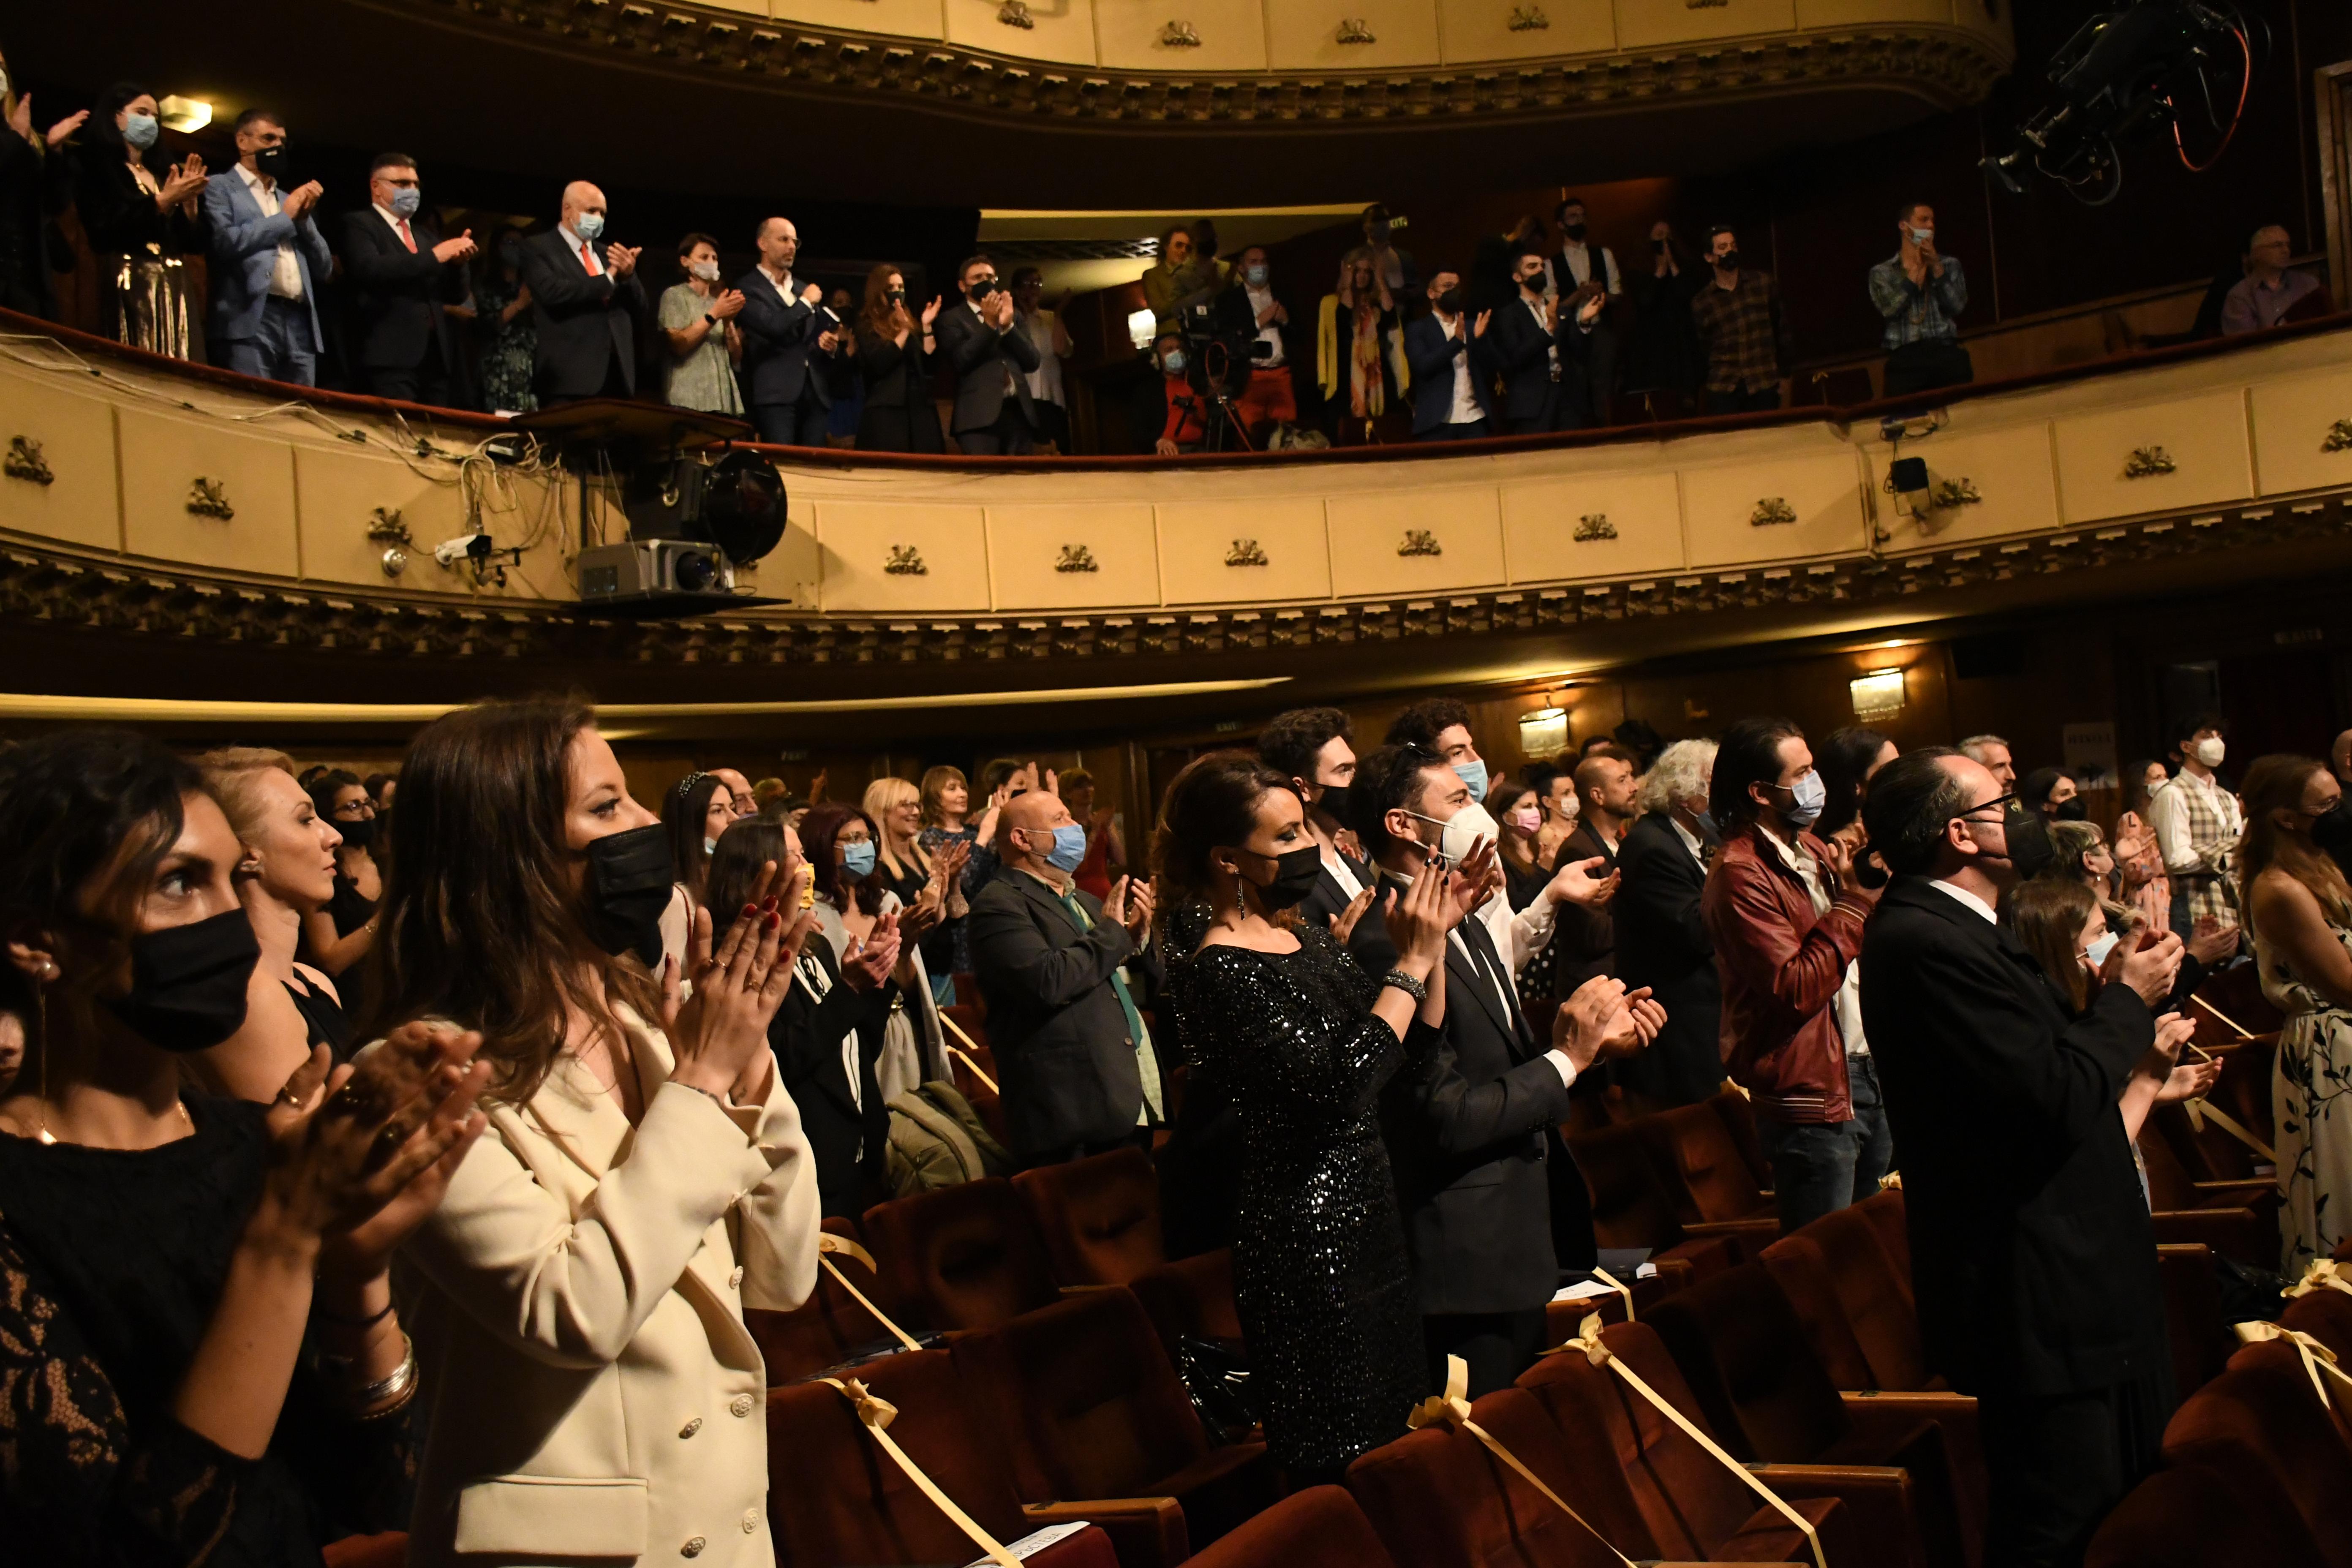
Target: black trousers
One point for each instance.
(1009, 437)
(1472, 431)
(1762, 401)
(425, 382)
(1497, 1346)
(2057, 1465)
(801, 424)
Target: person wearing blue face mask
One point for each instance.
(1186, 428)
(1065, 976)
(1785, 912)
(1248, 307)
(402, 274)
(585, 301)
(141, 225)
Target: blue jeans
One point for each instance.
(283, 349)
(1821, 1167)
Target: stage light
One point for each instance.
(182, 115)
(1877, 694)
(1543, 732)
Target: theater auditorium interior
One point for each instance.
(864, 783)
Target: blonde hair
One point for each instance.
(230, 778)
(881, 795)
(936, 781)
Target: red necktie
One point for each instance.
(588, 260)
(406, 238)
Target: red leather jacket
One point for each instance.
(1781, 967)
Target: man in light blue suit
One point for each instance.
(268, 259)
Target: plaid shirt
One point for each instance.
(1914, 314)
(1747, 337)
(2198, 826)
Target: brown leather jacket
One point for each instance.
(1781, 967)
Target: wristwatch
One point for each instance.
(708, 320)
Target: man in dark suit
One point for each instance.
(1075, 1060)
(585, 303)
(1471, 1135)
(1541, 357)
(1448, 354)
(402, 273)
(982, 339)
(789, 341)
(1662, 942)
(1315, 748)
(1587, 939)
(2031, 1251)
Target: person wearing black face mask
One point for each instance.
(2052, 794)
(895, 344)
(338, 937)
(1315, 749)
(1739, 318)
(168, 1258)
(1282, 1024)
(991, 357)
(1663, 356)
(1450, 361)
(269, 260)
(1580, 272)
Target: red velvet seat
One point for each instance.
(1320, 1527)
(1191, 1298)
(1883, 1210)
(1739, 1120)
(1713, 1182)
(1874, 1291)
(1798, 1268)
(1091, 1407)
(1100, 1218)
(2326, 1315)
(2191, 1516)
(834, 1496)
(2260, 1419)
(830, 1326)
(2200, 1340)
(388, 1550)
(2238, 1219)
(965, 1257)
(1632, 1205)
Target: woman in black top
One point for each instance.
(166, 1262)
(339, 935)
(139, 223)
(1516, 810)
(895, 355)
(289, 872)
(1666, 354)
(32, 193)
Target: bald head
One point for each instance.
(779, 243)
(579, 197)
(2339, 755)
(1024, 829)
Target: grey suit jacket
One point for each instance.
(981, 355)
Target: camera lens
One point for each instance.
(695, 573)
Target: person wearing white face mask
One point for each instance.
(1917, 291)
(2197, 822)
(698, 322)
(1785, 910)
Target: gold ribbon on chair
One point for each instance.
(876, 1414)
(1892, 1179)
(1588, 1339)
(1453, 1408)
(2316, 1356)
(828, 1242)
(2243, 1033)
(1610, 1281)
(968, 1062)
(2322, 1275)
(2200, 1108)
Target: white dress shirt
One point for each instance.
(1260, 302)
(2168, 817)
(1971, 899)
(286, 271)
(1691, 841)
(583, 251)
(1551, 346)
(1465, 403)
(1045, 380)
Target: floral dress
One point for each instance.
(508, 349)
(2311, 1110)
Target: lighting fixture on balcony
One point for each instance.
(1544, 733)
(1877, 694)
(1138, 329)
(182, 115)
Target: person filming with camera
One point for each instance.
(1187, 429)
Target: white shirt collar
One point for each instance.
(1965, 897)
(1691, 841)
(389, 216)
(253, 181)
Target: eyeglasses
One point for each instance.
(2003, 801)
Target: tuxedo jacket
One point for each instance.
(1522, 355)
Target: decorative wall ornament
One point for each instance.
(1420, 542)
(2339, 438)
(1355, 30)
(1595, 525)
(24, 461)
(209, 497)
(1245, 552)
(385, 527)
(1770, 511)
(905, 560)
(1529, 19)
(1077, 558)
(1015, 14)
(1179, 35)
(2147, 461)
(1951, 494)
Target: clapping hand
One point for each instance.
(868, 965)
(1600, 1020)
(1477, 876)
(1590, 313)
(720, 1035)
(185, 182)
(63, 128)
(1584, 883)
(1343, 924)
(1418, 919)
(300, 199)
(2178, 1079)
(2149, 970)
(1479, 330)
(620, 259)
(931, 310)
(728, 305)
(461, 249)
(2210, 941)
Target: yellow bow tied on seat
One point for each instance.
(1452, 1409)
(827, 1242)
(2322, 1275)
(2317, 1357)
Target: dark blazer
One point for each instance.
(1584, 942)
(779, 339)
(1522, 355)
(583, 323)
(396, 296)
(2031, 1249)
(1431, 354)
(1324, 901)
(1663, 943)
(1466, 1131)
(980, 355)
(1065, 1059)
(898, 416)
(849, 1144)
(119, 218)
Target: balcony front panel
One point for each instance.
(1771, 510)
(68, 440)
(1585, 525)
(1476, 30)
(1647, 24)
(1269, 552)
(208, 493)
(1415, 542)
(2154, 456)
(2302, 432)
(1181, 35)
(1073, 557)
(1987, 479)
(903, 558)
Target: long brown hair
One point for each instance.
(819, 829)
(2272, 784)
(480, 923)
(1211, 805)
(935, 781)
(880, 314)
(2048, 914)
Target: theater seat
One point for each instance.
(1883, 1209)
(1739, 1120)
(829, 1327)
(1320, 1527)
(967, 994)
(388, 1550)
(2238, 1219)
(1632, 1206)
(964, 1257)
(1099, 1217)
(833, 1497)
(2193, 1516)
(2260, 1419)
(1713, 1182)
(1091, 1407)
(2326, 1316)
(1744, 1353)
(1797, 1267)
(1873, 1293)
(1191, 1298)
(2201, 1341)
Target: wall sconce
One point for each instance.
(1877, 694)
(1544, 733)
(1138, 330)
(182, 115)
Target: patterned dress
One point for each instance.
(2140, 864)
(1321, 1274)
(508, 349)
(2311, 1108)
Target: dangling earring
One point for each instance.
(41, 1021)
(1241, 903)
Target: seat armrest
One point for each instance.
(2236, 1232)
(1752, 1226)
(1145, 1531)
(2245, 1194)
(1878, 1499)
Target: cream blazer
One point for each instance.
(593, 1394)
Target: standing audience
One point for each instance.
(1917, 291)
(402, 273)
(895, 346)
(269, 260)
(143, 226)
(696, 316)
(1585, 943)
(1587, 289)
(1991, 753)
(1664, 354)
(899, 1047)
(1738, 315)
(1315, 749)
(2139, 862)
(991, 357)
(2197, 824)
(787, 341)
(1451, 363)
(585, 301)
(1662, 944)
(1052, 342)
(340, 935)
(509, 336)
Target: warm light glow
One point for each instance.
(1877, 694)
(182, 115)
(1543, 732)
(1138, 329)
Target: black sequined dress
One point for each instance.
(1320, 1269)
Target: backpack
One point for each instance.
(937, 1140)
